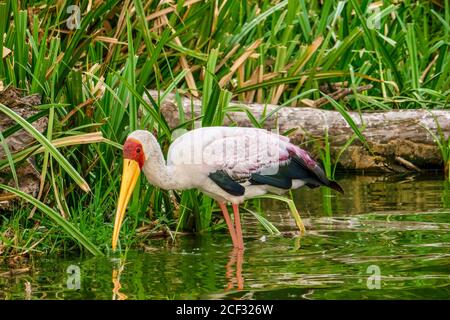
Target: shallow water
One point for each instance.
(386, 238)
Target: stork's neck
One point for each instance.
(157, 172)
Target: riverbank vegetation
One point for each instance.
(92, 62)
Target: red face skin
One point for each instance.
(132, 149)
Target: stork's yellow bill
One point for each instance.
(132, 164)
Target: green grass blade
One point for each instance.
(48, 145)
(413, 61)
(152, 111)
(248, 27)
(9, 158)
(349, 120)
(210, 79)
(292, 209)
(264, 222)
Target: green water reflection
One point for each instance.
(399, 225)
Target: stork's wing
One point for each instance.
(261, 157)
(236, 156)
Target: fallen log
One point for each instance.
(398, 140)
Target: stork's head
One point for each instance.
(135, 153)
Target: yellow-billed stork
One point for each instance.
(229, 164)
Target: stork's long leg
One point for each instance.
(237, 223)
(229, 223)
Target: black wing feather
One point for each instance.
(296, 168)
(315, 176)
(223, 180)
(276, 180)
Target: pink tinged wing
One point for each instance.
(309, 163)
(303, 155)
(254, 151)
